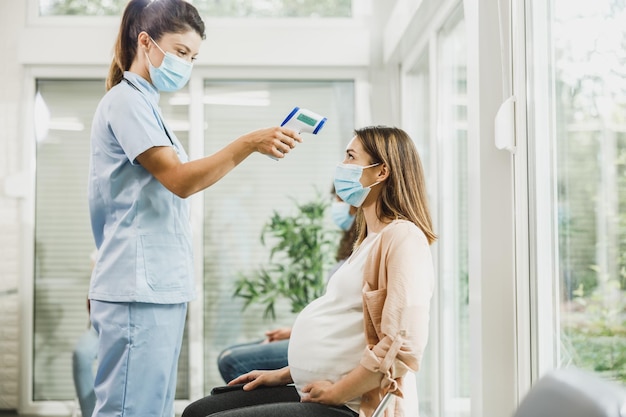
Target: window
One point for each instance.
(434, 113)
(452, 224)
(417, 123)
(280, 8)
(81, 7)
(237, 207)
(581, 112)
(234, 210)
(63, 241)
(208, 8)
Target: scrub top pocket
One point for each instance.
(166, 261)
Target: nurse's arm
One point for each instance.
(185, 179)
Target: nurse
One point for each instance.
(139, 180)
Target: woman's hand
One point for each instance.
(273, 141)
(353, 385)
(321, 392)
(282, 333)
(255, 379)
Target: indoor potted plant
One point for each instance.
(302, 250)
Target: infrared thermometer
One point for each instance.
(303, 120)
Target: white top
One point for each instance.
(327, 338)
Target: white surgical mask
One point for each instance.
(341, 215)
(172, 74)
(348, 183)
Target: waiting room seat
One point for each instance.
(380, 410)
(571, 392)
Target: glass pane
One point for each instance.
(208, 8)
(452, 223)
(418, 127)
(418, 123)
(81, 7)
(63, 239)
(275, 8)
(237, 207)
(590, 103)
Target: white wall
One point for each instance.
(12, 15)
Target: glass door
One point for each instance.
(578, 95)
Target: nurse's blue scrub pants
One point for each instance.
(138, 357)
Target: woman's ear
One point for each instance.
(143, 40)
(383, 174)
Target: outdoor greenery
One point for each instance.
(595, 335)
(591, 183)
(82, 7)
(302, 249)
(209, 8)
(275, 8)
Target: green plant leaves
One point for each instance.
(302, 249)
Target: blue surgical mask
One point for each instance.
(172, 74)
(341, 215)
(348, 183)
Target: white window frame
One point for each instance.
(494, 282)
(498, 318)
(537, 244)
(536, 126)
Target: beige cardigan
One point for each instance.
(398, 283)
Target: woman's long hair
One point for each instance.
(346, 244)
(155, 17)
(403, 194)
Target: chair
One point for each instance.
(571, 392)
(380, 410)
(411, 405)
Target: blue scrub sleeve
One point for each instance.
(136, 125)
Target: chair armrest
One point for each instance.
(380, 410)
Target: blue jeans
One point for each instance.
(240, 359)
(83, 359)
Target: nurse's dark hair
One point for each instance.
(156, 18)
(403, 194)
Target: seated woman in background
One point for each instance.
(359, 340)
(271, 353)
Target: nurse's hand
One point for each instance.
(273, 141)
(255, 379)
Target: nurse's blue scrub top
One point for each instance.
(141, 229)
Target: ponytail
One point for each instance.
(125, 47)
(156, 17)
